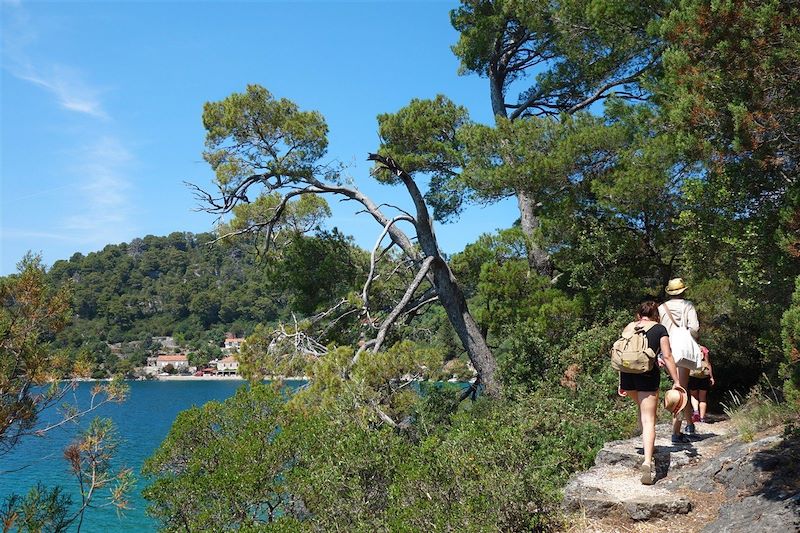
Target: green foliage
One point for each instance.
(221, 466)
(727, 90)
(258, 460)
(575, 48)
(300, 216)
(32, 313)
(791, 345)
(270, 221)
(289, 141)
(283, 351)
(515, 298)
(730, 72)
(758, 410)
(33, 375)
(89, 458)
(356, 465)
(319, 269)
(41, 509)
(178, 285)
(541, 156)
(423, 137)
(480, 471)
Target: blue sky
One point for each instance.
(102, 101)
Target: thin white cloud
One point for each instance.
(66, 83)
(102, 197)
(98, 208)
(97, 196)
(36, 194)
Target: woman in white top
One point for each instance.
(681, 310)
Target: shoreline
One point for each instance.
(188, 378)
(234, 378)
(225, 378)
(196, 378)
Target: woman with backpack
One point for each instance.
(676, 313)
(643, 387)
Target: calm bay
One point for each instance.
(142, 422)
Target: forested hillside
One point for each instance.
(181, 285)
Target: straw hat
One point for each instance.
(675, 286)
(675, 399)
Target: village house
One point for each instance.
(210, 370)
(228, 366)
(232, 344)
(178, 362)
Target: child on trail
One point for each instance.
(700, 382)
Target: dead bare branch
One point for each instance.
(398, 310)
(361, 349)
(423, 303)
(370, 276)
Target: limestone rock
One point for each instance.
(760, 480)
(758, 514)
(645, 509)
(606, 488)
(763, 477)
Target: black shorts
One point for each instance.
(699, 383)
(647, 382)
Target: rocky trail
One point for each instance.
(716, 484)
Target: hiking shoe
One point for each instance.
(704, 420)
(696, 416)
(680, 438)
(690, 430)
(648, 473)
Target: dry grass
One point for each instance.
(760, 409)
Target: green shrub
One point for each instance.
(790, 369)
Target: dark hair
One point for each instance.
(648, 309)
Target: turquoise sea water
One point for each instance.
(142, 422)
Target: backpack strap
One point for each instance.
(647, 327)
(635, 326)
(669, 314)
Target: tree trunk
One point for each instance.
(447, 288)
(538, 258)
(466, 328)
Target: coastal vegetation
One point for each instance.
(36, 377)
(642, 141)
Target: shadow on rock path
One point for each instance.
(715, 484)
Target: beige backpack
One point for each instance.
(702, 372)
(631, 353)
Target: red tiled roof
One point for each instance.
(169, 358)
(229, 359)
